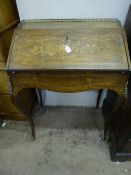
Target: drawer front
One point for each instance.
(69, 81)
(4, 82)
(7, 106)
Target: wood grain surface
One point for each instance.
(8, 12)
(92, 45)
(9, 19)
(4, 82)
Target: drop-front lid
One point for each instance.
(69, 44)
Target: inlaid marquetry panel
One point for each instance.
(69, 45)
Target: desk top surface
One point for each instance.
(69, 44)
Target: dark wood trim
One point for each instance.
(9, 26)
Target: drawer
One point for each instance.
(7, 106)
(68, 81)
(4, 82)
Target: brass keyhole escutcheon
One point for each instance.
(67, 44)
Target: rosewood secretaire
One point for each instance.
(69, 56)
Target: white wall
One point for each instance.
(51, 9)
(73, 9)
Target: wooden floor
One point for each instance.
(68, 142)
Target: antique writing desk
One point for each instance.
(68, 56)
